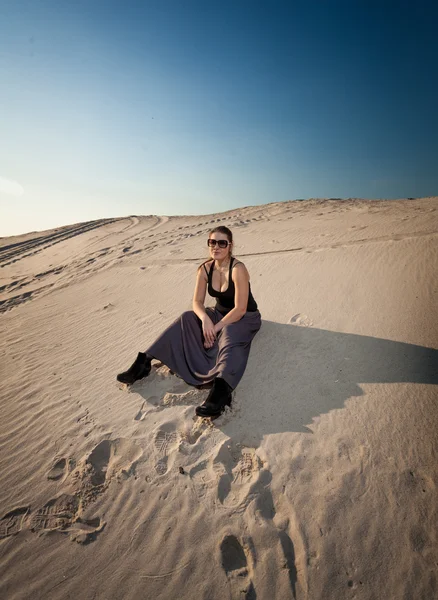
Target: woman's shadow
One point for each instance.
(297, 373)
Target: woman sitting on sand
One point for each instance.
(209, 344)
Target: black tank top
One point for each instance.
(225, 300)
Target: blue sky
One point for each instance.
(191, 107)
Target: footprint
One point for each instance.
(59, 469)
(85, 531)
(301, 320)
(12, 522)
(58, 513)
(238, 469)
(164, 441)
(235, 477)
(192, 434)
(110, 458)
(235, 565)
(63, 514)
(190, 397)
(202, 482)
(248, 463)
(98, 460)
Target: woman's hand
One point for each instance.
(209, 332)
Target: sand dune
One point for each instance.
(321, 482)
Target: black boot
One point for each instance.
(218, 398)
(139, 369)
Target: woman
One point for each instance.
(209, 344)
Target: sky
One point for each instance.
(169, 107)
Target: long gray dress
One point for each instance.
(181, 348)
(181, 345)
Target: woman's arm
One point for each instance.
(199, 308)
(240, 277)
(199, 294)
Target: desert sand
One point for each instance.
(320, 483)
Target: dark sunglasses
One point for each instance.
(221, 243)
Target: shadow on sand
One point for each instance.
(307, 372)
(310, 371)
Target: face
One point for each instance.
(215, 251)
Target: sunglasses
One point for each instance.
(221, 243)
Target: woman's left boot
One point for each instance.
(140, 368)
(218, 398)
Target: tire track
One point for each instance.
(14, 252)
(78, 263)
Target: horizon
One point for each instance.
(159, 108)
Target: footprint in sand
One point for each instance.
(238, 470)
(110, 458)
(192, 434)
(57, 513)
(60, 469)
(300, 320)
(62, 514)
(164, 442)
(191, 397)
(98, 461)
(85, 531)
(234, 477)
(201, 481)
(235, 564)
(12, 522)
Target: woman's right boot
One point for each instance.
(139, 369)
(218, 398)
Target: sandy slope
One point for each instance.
(322, 480)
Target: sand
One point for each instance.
(320, 483)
